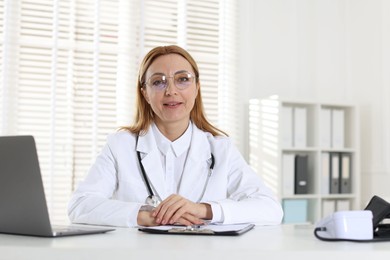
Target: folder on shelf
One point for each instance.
(337, 128)
(328, 207)
(325, 173)
(342, 205)
(334, 173)
(295, 211)
(288, 173)
(301, 174)
(287, 126)
(300, 125)
(345, 180)
(325, 128)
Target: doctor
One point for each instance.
(171, 166)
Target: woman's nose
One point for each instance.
(171, 88)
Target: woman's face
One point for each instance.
(171, 104)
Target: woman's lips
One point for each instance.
(172, 104)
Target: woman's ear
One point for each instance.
(145, 94)
(197, 88)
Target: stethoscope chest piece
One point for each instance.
(152, 200)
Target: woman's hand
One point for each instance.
(146, 219)
(176, 209)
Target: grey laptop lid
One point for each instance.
(23, 208)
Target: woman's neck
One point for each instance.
(172, 131)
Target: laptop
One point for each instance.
(23, 208)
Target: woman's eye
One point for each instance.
(183, 79)
(157, 82)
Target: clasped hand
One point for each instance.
(176, 210)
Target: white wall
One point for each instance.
(329, 51)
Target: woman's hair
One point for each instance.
(145, 115)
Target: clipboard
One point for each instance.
(205, 230)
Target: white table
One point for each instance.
(280, 242)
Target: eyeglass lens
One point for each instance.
(181, 79)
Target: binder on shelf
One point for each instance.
(295, 211)
(328, 207)
(301, 174)
(324, 132)
(342, 205)
(325, 173)
(288, 162)
(287, 126)
(325, 127)
(300, 125)
(345, 175)
(337, 128)
(334, 173)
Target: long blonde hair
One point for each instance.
(145, 115)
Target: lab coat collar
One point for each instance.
(150, 158)
(146, 142)
(195, 171)
(182, 144)
(178, 147)
(197, 166)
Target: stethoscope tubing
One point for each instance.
(147, 182)
(208, 178)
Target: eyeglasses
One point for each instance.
(182, 80)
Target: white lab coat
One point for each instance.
(114, 190)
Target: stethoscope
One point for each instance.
(154, 200)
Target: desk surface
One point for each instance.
(278, 242)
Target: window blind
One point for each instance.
(68, 73)
(207, 29)
(2, 79)
(42, 95)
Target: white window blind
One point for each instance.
(2, 90)
(68, 71)
(207, 29)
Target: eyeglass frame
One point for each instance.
(147, 83)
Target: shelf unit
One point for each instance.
(314, 137)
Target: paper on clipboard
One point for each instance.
(221, 230)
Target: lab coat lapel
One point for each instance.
(196, 167)
(150, 158)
